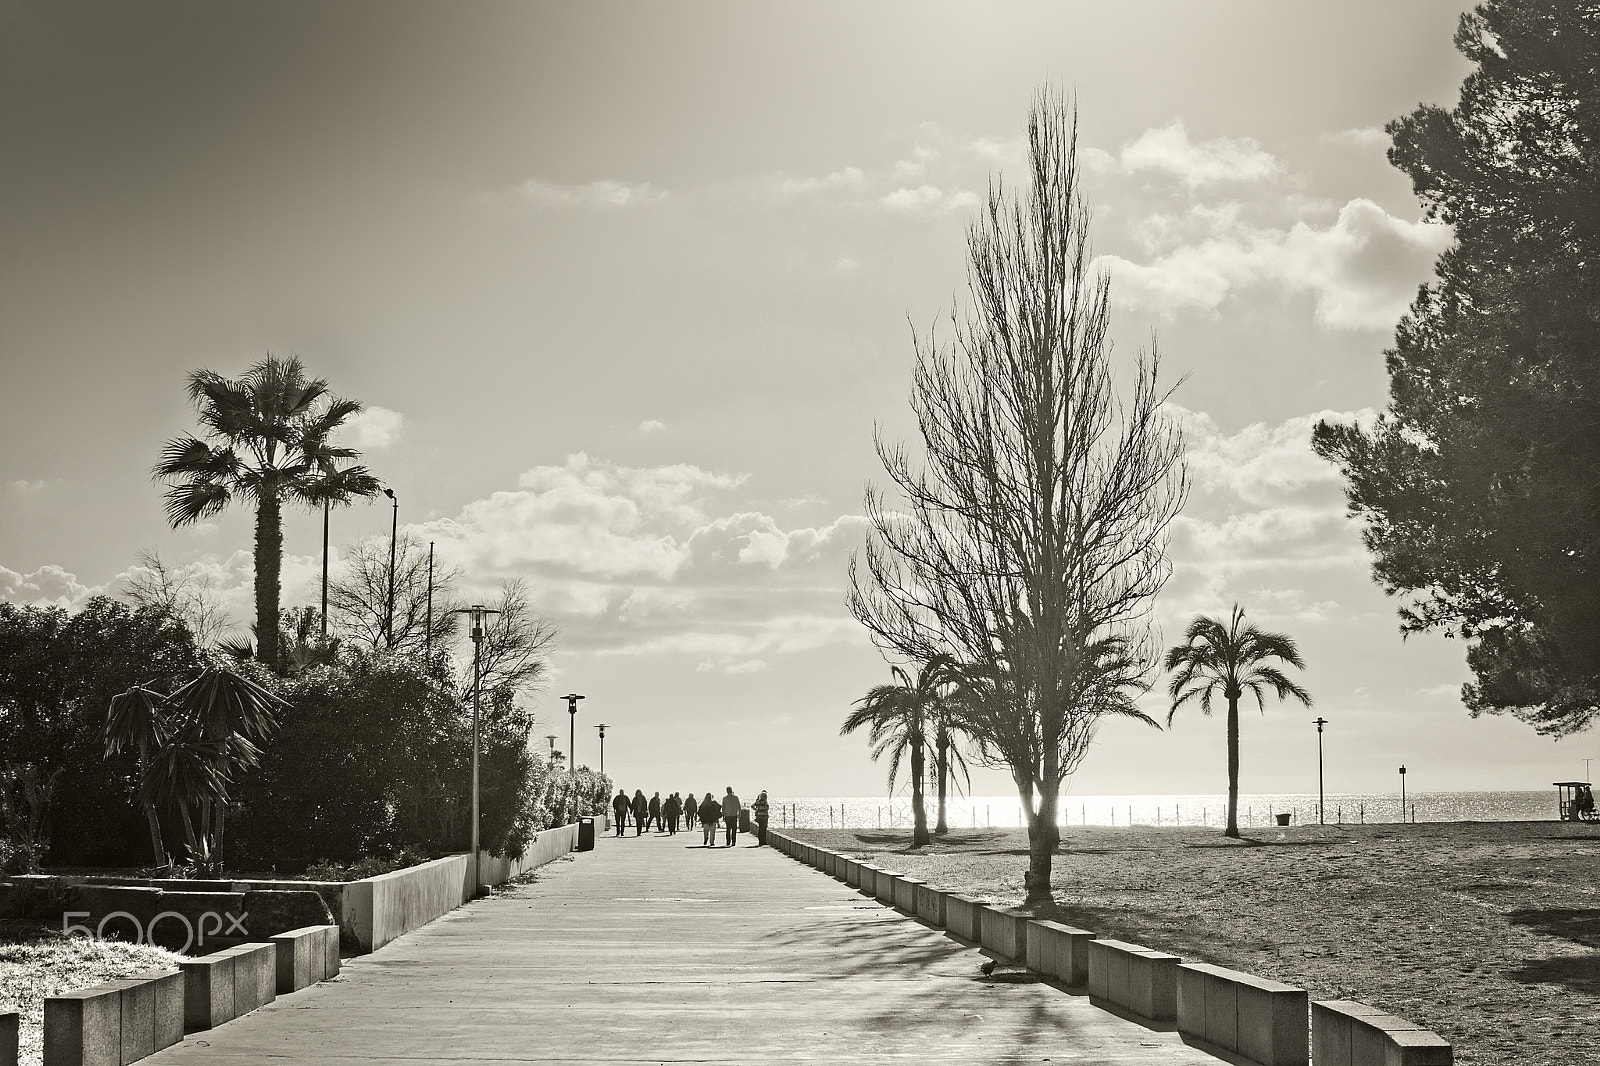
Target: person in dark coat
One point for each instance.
(670, 809)
(655, 811)
(761, 811)
(730, 818)
(619, 807)
(641, 811)
(691, 808)
(710, 814)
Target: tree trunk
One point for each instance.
(1233, 767)
(269, 565)
(943, 770)
(158, 847)
(919, 813)
(1043, 836)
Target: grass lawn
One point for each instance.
(1486, 932)
(37, 961)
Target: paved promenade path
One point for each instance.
(654, 950)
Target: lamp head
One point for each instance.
(390, 493)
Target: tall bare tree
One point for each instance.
(516, 643)
(182, 592)
(358, 600)
(1029, 541)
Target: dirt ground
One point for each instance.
(1486, 932)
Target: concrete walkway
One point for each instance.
(654, 950)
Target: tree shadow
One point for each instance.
(1577, 973)
(1579, 925)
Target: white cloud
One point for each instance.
(652, 425)
(1169, 150)
(1361, 137)
(603, 193)
(23, 485)
(845, 265)
(1361, 271)
(844, 178)
(48, 586)
(915, 167)
(636, 560)
(927, 198)
(737, 666)
(1262, 464)
(374, 428)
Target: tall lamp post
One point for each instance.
(388, 611)
(325, 505)
(602, 728)
(1320, 723)
(427, 632)
(1402, 793)
(572, 699)
(477, 611)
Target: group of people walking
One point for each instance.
(664, 814)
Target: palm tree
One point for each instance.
(137, 722)
(270, 444)
(1232, 659)
(897, 717)
(192, 745)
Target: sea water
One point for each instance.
(968, 812)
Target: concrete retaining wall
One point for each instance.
(1263, 1020)
(1346, 1033)
(1140, 980)
(1257, 1019)
(378, 909)
(10, 1024)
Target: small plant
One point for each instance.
(24, 807)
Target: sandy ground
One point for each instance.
(1486, 932)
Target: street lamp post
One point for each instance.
(325, 505)
(427, 637)
(388, 611)
(1320, 723)
(602, 728)
(477, 611)
(572, 699)
(1402, 793)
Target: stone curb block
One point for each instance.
(1261, 1019)
(848, 872)
(10, 1025)
(1059, 951)
(886, 886)
(84, 1027)
(255, 976)
(207, 990)
(961, 916)
(930, 904)
(1003, 931)
(905, 893)
(302, 956)
(1347, 1033)
(1139, 980)
(866, 878)
(166, 993)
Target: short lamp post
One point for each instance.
(551, 737)
(1320, 723)
(572, 699)
(477, 611)
(602, 728)
(1402, 793)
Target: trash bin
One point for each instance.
(1283, 819)
(585, 834)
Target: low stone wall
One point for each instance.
(375, 910)
(1261, 1019)
(1346, 1033)
(1253, 1018)
(10, 1026)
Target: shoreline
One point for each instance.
(1486, 932)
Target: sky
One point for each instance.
(628, 289)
